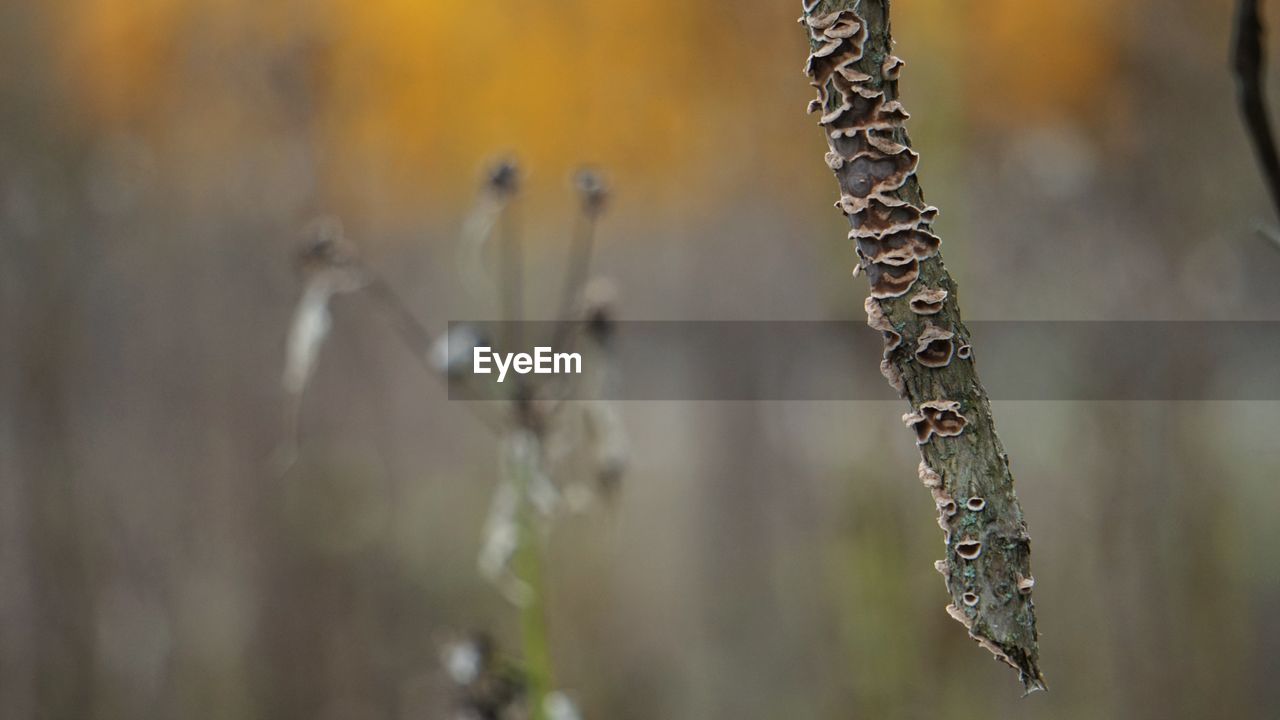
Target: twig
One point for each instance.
(534, 637)
(582, 245)
(1247, 51)
(927, 357)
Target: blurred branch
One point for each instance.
(1248, 48)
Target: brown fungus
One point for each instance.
(929, 477)
(934, 347)
(928, 301)
(892, 67)
(969, 549)
(843, 27)
(970, 598)
(946, 505)
(997, 651)
(891, 281)
(1026, 585)
(872, 218)
(936, 417)
(942, 567)
(884, 141)
(958, 615)
(893, 376)
(867, 174)
(975, 504)
(964, 352)
(877, 320)
(895, 248)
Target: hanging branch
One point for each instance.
(1248, 48)
(927, 356)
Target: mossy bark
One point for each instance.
(974, 489)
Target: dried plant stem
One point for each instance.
(927, 355)
(536, 646)
(512, 285)
(579, 265)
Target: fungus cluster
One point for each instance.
(868, 156)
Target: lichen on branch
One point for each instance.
(913, 302)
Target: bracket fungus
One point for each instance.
(969, 549)
(936, 417)
(855, 74)
(928, 301)
(1026, 585)
(930, 478)
(935, 347)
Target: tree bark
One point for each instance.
(927, 355)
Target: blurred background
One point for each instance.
(159, 159)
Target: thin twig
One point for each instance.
(1247, 51)
(512, 287)
(592, 196)
(581, 247)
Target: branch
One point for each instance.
(1247, 52)
(927, 356)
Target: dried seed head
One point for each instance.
(503, 177)
(593, 191)
(599, 306)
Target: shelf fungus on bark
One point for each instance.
(930, 478)
(928, 301)
(969, 549)
(936, 417)
(912, 304)
(935, 347)
(1026, 585)
(892, 339)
